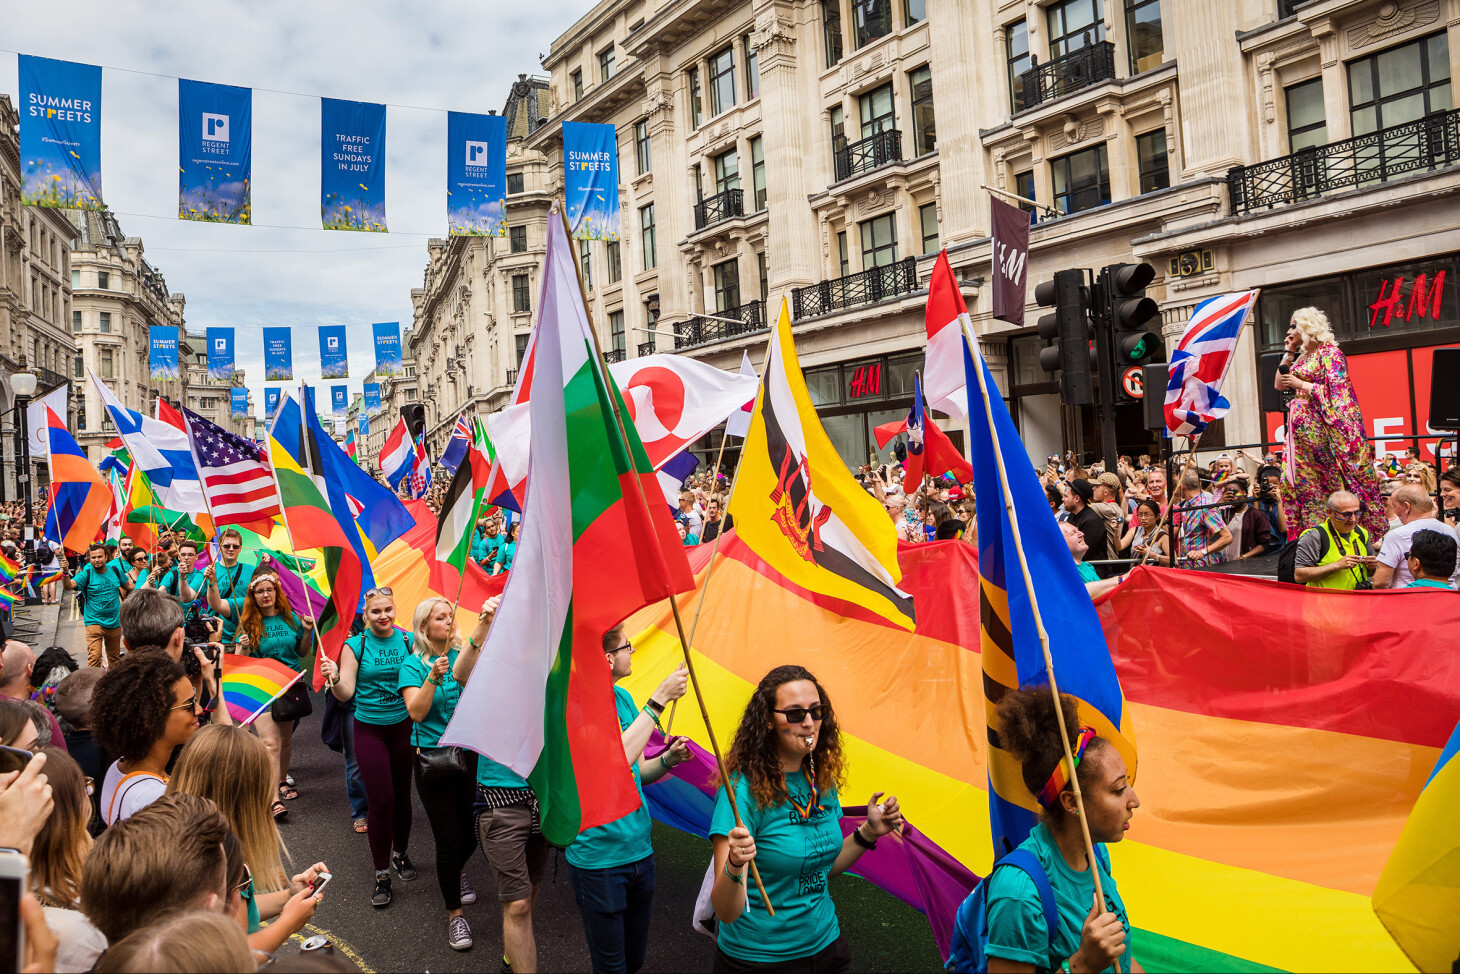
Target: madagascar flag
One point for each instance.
(79, 498)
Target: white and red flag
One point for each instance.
(943, 380)
(398, 455)
(739, 422)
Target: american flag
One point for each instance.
(236, 477)
(1200, 362)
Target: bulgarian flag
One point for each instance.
(464, 503)
(597, 543)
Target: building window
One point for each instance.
(871, 19)
(605, 64)
(104, 363)
(1151, 153)
(410, 395)
(757, 171)
(831, 31)
(727, 285)
(727, 171)
(696, 111)
(585, 261)
(1024, 187)
(722, 81)
(106, 322)
(651, 317)
(838, 129)
(925, 132)
(521, 299)
(615, 262)
(914, 11)
(843, 255)
(576, 79)
(875, 108)
(699, 180)
(641, 146)
(1074, 24)
(1307, 118)
(1400, 85)
(646, 237)
(517, 239)
(765, 278)
(78, 366)
(752, 69)
(521, 341)
(1081, 180)
(928, 218)
(514, 183)
(879, 241)
(1143, 34)
(75, 321)
(616, 330)
(103, 280)
(1016, 54)
(75, 279)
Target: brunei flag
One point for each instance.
(797, 506)
(596, 545)
(79, 497)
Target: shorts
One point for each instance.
(519, 857)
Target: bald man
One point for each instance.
(19, 663)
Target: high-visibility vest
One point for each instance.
(1336, 549)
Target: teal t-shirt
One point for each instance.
(1087, 574)
(489, 548)
(490, 774)
(413, 673)
(794, 854)
(1017, 930)
(505, 554)
(102, 592)
(377, 684)
(233, 587)
(623, 840)
(253, 908)
(280, 642)
(1429, 583)
(169, 583)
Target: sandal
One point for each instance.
(280, 810)
(287, 791)
(361, 826)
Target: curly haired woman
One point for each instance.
(786, 767)
(141, 709)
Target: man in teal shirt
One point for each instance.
(1432, 559)
(102, 584)
(486, 543)
(230, 580)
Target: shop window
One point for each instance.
(863, 380)
(1081, 180)
(925, 133)
(1016, 56)
(1143, 34)
(1074, 24)
(1400, 85)
(900, 370)
(879, 241)
(1151, 155)
(1410, 297)
(824, 385)
(1307, 120)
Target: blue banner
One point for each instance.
(364, 425)
(238, 399)
(590, 180)
(352, 165)
(220, 354)
(278, 354)
(387, 347)
(215, 152)
(476, 174)
(338, 403)
(372, 398)
(271, 402)
(60, 134)
(334, 360)
(162, 359)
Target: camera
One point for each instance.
(190, 663)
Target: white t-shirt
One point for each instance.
(139, 791)
(80, 943)
(1395, 547)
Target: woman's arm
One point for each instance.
(466, 660)
(727, 894)
(651, 770)
(419, 698)
(882, 818)
(343, 673)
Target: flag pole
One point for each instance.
(284, 513)
(678, 623)
(1191, 442)
(1059, 712)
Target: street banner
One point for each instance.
(60, 134)
(337, 400)
(271, 402)
(590, 180)
(372, 398)
(278, 354)
(215, 152)
(238, 400)
(162, 358)
(352, 165)
(364, 425)
(220, 354)
(1011, 259)
(387, 347)
(476, 174)
(334, 359)
(339, 426)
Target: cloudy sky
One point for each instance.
(419, 59)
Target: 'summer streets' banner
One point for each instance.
(372, 398)
(215, 152)
(238, 401)
(590, 180)
(162, 356)
(334, 359)
(364, 425)
(337, 400)
(278, 354)
(476, 174)
(60, 134)
(271, 402)
(352, 165)
(387, 348)
(220, 354)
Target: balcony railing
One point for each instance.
(863, 287)
(700, 330)
(1432, 142)
(872, 153)
(721, 206)
(46, 379)
(646, 348)
(613, 355)
(512, 377)
(1068, 73)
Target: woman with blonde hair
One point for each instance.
(56, 860)
(186, 943)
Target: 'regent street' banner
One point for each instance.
(387, 347)
(60, 134)
(590, 180)
(162, 359)
(220, 354)
(215, 152)
(1011, 260)
(278, 354)
(372, 398)
(352, 165)
(338, 403)
(476, 174)
(238, 402)
(271, 402)
(334, 360)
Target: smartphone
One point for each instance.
(14, 879)
(320, 882)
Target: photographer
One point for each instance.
(1337, 553)
(1268, 500)
(152, 620)
(1251, 532)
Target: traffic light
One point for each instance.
(415, 416)
(1069, 328)
(1129, 310)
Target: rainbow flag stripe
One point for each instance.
(250, 685)
(8, 569)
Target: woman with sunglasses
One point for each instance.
(786, 766)
(369, 673)
(56, 860)
(142, 709)
(228, 580)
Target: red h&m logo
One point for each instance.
(1423, 301)
(866, 381)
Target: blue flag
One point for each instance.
(476, 174)
(352, 165)
(590, 180)
(60, 134)
(334, 356)
(215, 152)
(162, 356)
(220, 354)
(278, 354)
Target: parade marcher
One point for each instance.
(786, 765)
(102, 585)
(1416, 512)
(139, 566)
(613, 865)
(485, 542)
(141, 710)
(507, 550)
(447, 793)
(368, 672)
(1337, 553)
(228, 580)
(1430, 553)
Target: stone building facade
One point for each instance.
(210, 398)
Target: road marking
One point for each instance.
(338, 944)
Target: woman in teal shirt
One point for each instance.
(785, 766)
(507, 550)
(269, 629)
(431, 694)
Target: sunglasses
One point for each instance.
(190, 705)
(795, 715)
(230, 547)
(1345, 515)
(242, 887)
(382, 590)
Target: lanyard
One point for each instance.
(811, 803)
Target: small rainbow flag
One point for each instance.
(8, 599)
(250, 685)
(8, 569)
(54, 576)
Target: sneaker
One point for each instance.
(403, 867)
(468, 895)
(458, 934)
(506, 967)
(381, 897)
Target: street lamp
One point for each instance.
(22, 384)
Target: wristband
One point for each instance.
(737, 880)
(862, 840)
(653, 714)
(654, 705)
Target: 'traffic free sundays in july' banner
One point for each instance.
(278, 355)
(352, 165)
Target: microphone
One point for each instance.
(1285, 368)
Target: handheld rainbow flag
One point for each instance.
(54, 576)
(250, 685)
(8, 599)
(8, 569)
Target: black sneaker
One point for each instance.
(403, 867)
(381, 897)
(506, 967)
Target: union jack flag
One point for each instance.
(420, 476)
(456, 447)
(1200, 362)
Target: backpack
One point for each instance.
(1288, 557)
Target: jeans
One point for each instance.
(615, 906)
(354, 785)
(449, 808)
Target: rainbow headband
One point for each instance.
(1059, 777)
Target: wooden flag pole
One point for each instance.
(1165, 517)
(1059, 712)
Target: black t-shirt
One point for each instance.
(94, 761)
(1092, 525)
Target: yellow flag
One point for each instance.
(797, 506)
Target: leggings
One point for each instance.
(383, 752)
(449, 808)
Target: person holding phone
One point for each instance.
(1337, 553)
(228, 580)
